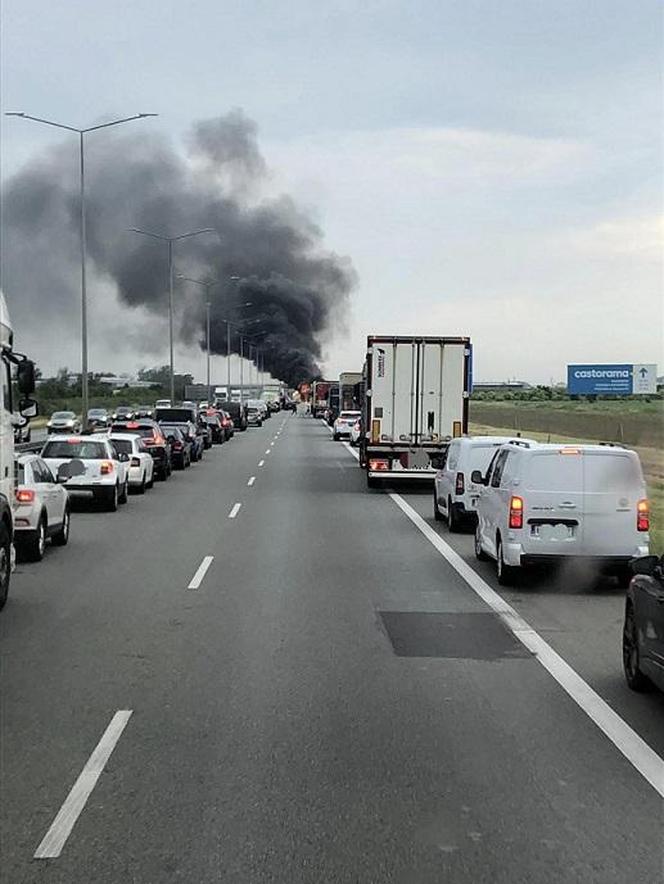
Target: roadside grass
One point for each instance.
(652, 461)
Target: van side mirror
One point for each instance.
(645, 565)
(437, 461)
(477, 477)
(28, 408)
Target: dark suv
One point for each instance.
(153, 439)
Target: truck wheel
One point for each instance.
(5, 564)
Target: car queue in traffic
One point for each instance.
(111, 456)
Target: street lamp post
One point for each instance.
(84, 293)
(170, 240)
(207, 285)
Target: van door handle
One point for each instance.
(567, 505)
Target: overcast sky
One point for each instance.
(491, 168)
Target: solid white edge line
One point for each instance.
(635, 749)
(54, 840)
(260, 463)
(251, 481)
(646, 761)
(197, 579)
(234, 511)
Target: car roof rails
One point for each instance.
(522, 443)
(611, 444)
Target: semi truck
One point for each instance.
(415, 394)
(11, 416)
(320, 397)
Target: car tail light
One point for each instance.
(378, 465)
(25, 495)
(178, 446)
(516, 512)
(106, 467)
(460, 485)
(135, 461)
(643, 516)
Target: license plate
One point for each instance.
(558, 531)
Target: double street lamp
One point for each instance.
(84, 295)
(170, 240)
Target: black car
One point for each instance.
(213, 421)
(180, 446)
(189, 431)
(204, 430)
(153, 439)
(643, 629)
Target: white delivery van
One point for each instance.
(544, 504)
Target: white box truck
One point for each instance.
(26, 408)
(416, 392)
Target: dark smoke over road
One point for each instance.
(298, 291)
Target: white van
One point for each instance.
(542, 504)
(455, 495)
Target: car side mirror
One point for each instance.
(645, 565)
(477, 477)
(122, 457)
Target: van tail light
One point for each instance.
(135, 461)
(25, 495)
(459, 485)
(378, 465)
(516, 512)
(106, 467)
(643, 516)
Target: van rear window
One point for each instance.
(611, 472)
(550, 471)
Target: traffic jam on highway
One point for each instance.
(531, 507)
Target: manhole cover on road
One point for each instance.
(464, 636)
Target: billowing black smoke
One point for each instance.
(276, 283)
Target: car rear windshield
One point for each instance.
(350, 415)
(551, 471)
(175, 415)
(20, 474)
(123, 446)
(84, 448)
(63, 415)
(611, 472)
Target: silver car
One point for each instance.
(63, 422)
(41, 508)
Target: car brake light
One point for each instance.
(74, 440)
(643, 516)
(570, 451)
(378, 465)
(459, 486)
(516, 512)
(25, 495)
(132, 425)
(106, 467)
(178, 446)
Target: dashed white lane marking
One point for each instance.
(251, 481)
(267, 451)
(54, 840)
(234, 511)
(197, 579)
(635, 749)
(260, 463)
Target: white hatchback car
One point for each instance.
(549, 504)
(455, 495)
(141, 462)
(41, 508)
(345, 423)
(89, 464)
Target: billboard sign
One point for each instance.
(622, 379)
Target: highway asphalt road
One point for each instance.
(333, 703)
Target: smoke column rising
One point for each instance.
(298, 290)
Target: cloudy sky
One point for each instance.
(490, 168)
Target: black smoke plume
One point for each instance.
(266, 252)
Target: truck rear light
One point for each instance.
(459, 485)
(377, 464)
(106, 467)
(516, 512)
(25, 495)
(643, 516)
